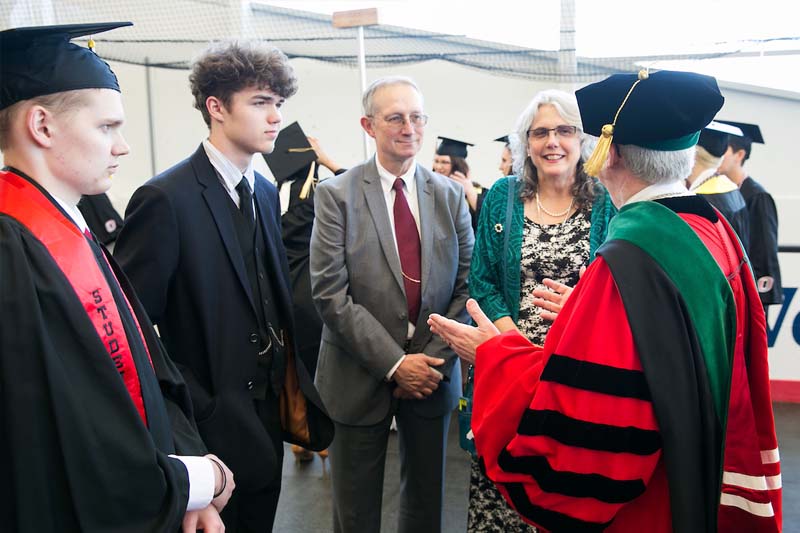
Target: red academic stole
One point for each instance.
(70, 250)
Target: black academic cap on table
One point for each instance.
(453, 147)
(503, 139)
(41, 60)
(714, 137)
(292, 153)
(751, 131)
(663, 111)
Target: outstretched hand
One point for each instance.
(464, 339)
(552, 299)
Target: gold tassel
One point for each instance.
(594, 165)
(309, 183)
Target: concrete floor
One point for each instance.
(305, 504)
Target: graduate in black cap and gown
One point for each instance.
(763, 251)
(505, 159)
(97, 431)
(705, 179)
(295, 163)
(451, 161)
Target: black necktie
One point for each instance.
(246, 203)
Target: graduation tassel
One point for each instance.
(306, 189)
(595, 163)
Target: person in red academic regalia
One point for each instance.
(648, 407)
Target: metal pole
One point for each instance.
(362, 65)
(567, 59)
(150, 116)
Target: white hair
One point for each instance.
(567, 106)
(388, 81)
(657, 166)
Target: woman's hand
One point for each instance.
(464, 339)
(552, 299)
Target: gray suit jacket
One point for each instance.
(358, 290)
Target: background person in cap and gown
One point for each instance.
(505, 157)
(451, 161)
(202, 244)
(763, 251)
(648, 407)
(715, 187)
(295, 163)
(92, 410)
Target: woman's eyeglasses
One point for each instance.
(562, 131)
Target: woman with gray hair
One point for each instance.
(537, 229)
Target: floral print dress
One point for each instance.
(555, 251)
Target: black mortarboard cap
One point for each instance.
(751, 131)
(714, 137)
(503, 139)
(663, 111)
(292, 153)
(453, 147)
(41, 60)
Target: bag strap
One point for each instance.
(512, 188)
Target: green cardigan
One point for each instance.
(497, 292)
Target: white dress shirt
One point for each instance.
(410, 191)
(229, 175)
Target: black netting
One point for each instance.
(167, 33)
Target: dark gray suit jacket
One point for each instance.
(358, 289)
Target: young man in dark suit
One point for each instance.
(202, 245)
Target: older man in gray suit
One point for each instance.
(392, 243)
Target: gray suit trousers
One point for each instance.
(358, 457)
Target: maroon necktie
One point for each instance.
(405, 230)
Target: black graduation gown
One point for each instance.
(476, 213)
(76, 455)
(101, 217)
(733, 208)
(763, 249)
(296, 225)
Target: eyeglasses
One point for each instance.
(417, 120)
(563, 131)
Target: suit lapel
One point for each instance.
(427, 214)
(380, 217)
(217, 199)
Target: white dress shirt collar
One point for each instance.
(660, 190)
(387, 178)
(74, 213)
(229, 174)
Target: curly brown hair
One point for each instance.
(227, 67)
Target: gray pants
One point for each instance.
(358, 457)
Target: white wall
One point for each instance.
(463, 103)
